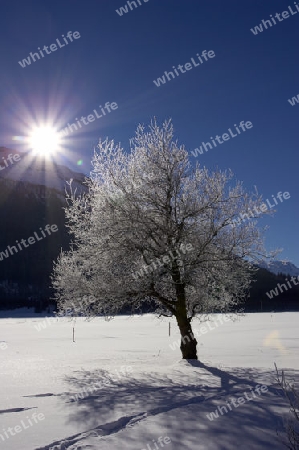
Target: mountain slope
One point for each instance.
(32, 196)
(287, 268)
(37, 171)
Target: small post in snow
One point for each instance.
(74, 323)
(169, 329)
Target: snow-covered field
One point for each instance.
(140, 392)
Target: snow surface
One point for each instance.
(152, 392)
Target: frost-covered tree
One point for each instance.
(154, 228)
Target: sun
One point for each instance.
(44, 141)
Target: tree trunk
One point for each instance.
(188, 341)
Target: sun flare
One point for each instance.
(44, 141)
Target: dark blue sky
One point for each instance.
(117, 58)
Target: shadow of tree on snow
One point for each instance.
(129, 400)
